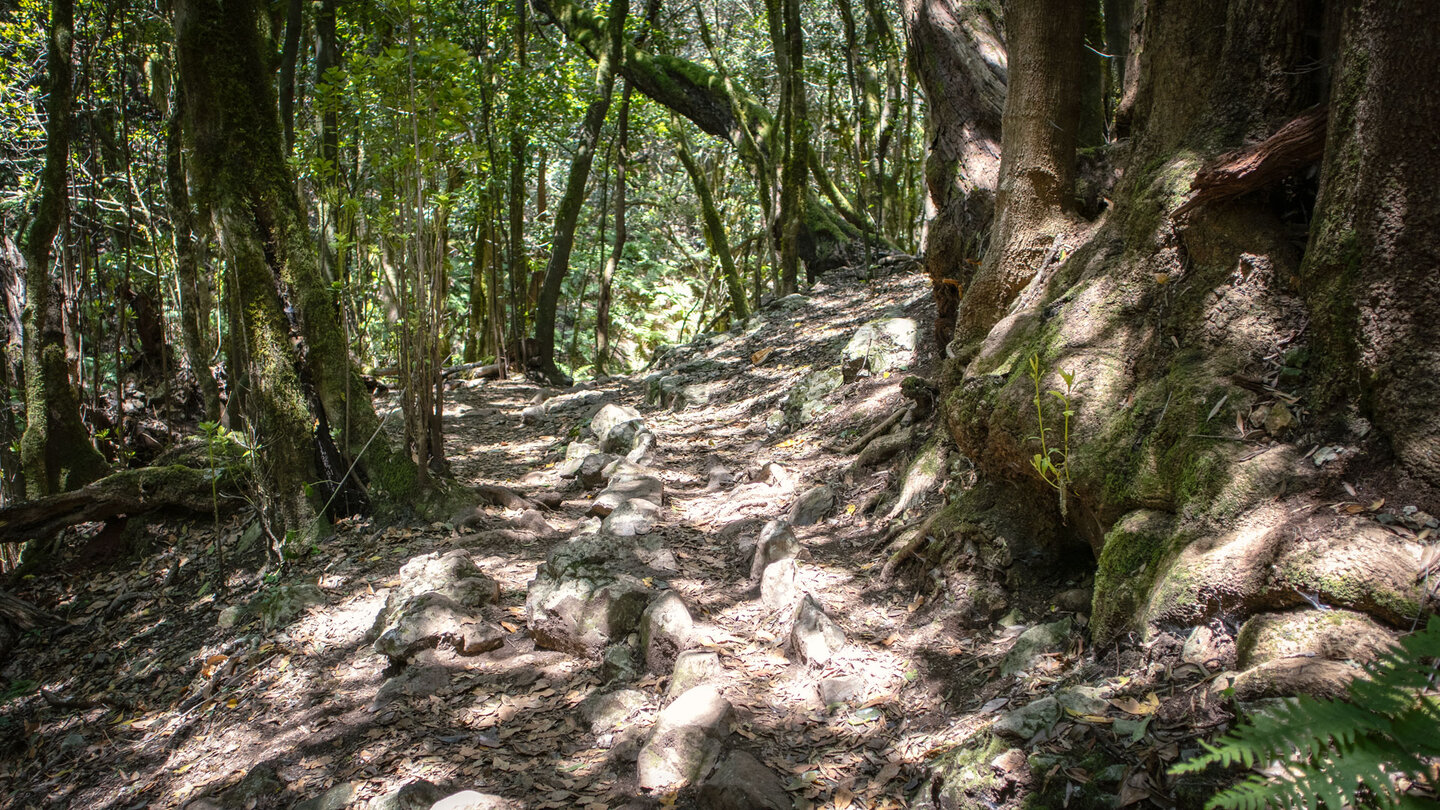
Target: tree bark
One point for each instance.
(569, 213)
(242, 178)
(1037, 164)
(289, 54)
(961, 63)
(196, 303)
(1370, 266)
(55, 449)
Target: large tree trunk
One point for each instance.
(1194, 406)
(1370, 270)
(961, 64)
(569, 214)
(55, 449)
(196, 302)
(242, 179)
(1037, 164)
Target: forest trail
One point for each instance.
(161, 694)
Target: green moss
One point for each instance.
(1132, 557)
(966, 771)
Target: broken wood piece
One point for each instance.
(859, 444)
(1297, 144)
(128, 492)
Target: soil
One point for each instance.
(141, 698)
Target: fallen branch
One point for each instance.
(1297, 144)
(870, 436)
(128, 492)
(482, 370)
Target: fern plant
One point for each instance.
(1339, 754)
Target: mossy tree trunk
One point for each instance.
(55, 449)
(284, 387)
(196, 301)
(1188, 331)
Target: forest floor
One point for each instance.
(158, 693)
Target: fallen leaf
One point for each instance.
(759, 357)
(1136, 707)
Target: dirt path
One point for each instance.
(162, 694)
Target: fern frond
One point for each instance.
(1337, 754)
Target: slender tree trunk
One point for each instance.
(714, 228)
(289, 54)
(617, 251)
(327, 56)
(569, 212)
(195, 300)
(55, 448)
(1037, 165)
(12, 377)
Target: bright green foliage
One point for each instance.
(1339, 754)
(1053, 463)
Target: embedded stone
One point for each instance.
(665, 630)
(633, 517)
(812, 505)
(619, 491)
(776, 542)
(814, 636)
(686, 741)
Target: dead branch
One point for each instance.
(128, 492)
(1294, 146)
(870, 436)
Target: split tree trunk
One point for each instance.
(55, 449)
(196, 303)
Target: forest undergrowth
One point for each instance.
(164, 687)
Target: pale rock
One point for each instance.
(887, 344)
(615, 427)
(607, 711)
(776, 542)
(575, 455)
(814, 636)
(619, 491)
(693, 668)
(666, 629)
(686, 741)
(474, 800)
(778, 588)
(633, 517)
